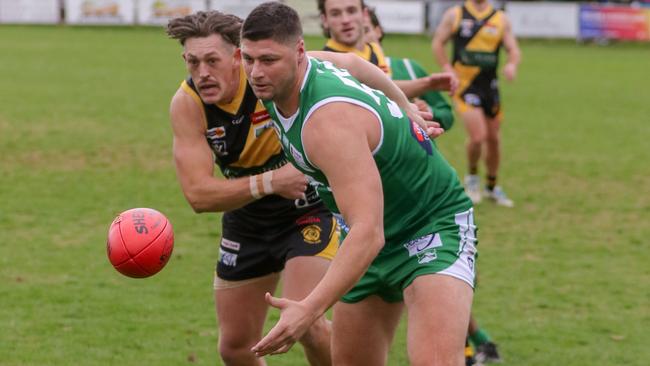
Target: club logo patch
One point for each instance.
(424, 248)
(311, 234)
(227, 258)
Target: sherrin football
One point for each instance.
(140, 242)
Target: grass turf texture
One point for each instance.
(84, 134)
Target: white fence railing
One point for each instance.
(529, 19)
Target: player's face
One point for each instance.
(344, 19)
(271, 67)
(214, 68)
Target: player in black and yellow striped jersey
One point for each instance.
(271, 222)
(478, 31)
(343, 23)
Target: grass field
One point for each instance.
(84, 134)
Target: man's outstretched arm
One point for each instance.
(332, 144)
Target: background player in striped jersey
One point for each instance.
(343, 23)
(478, 31)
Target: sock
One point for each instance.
(491, 182)
(479, 337)
(473, 170)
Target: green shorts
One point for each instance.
(450, 250)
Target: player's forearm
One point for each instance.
(514, 56)
(441, 56)
(217, 195)
(413, 88)
(358, 250)
(375, 78)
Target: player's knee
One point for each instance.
(318, 333)
(234, 351)
(493, 139)
(477, 138)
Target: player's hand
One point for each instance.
(422, 106)
(295, 319)
(424, 119)
(289, 182)
(510, 71)
(444, 81)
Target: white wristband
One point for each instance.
(252, 183)
(267, 177)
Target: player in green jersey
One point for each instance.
(409, 229)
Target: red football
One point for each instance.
(140, 242)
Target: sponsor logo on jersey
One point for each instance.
(220, 132)
(311, 234)
(230, 244)
(298, 158)
(424, 247)
(466, 26)
(311, 198)
(259, 117)
(342, 225)
(259, 129)
(308, 219)
(227, 258)
(215, 137)
(220, 148)
(237, 120)
(491, 29)
(422, 138)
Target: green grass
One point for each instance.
(84, 134)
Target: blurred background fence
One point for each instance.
(530, 19)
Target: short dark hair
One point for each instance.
(374, 20)
(204, 24)
(321, 5)
(272, 20)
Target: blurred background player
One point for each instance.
(409, 69)
(343, 22)
(477, 31)
(484, 350)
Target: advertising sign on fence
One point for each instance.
(161, 11)
(613, 22)
(400, 16)
(118, 12)
(29, 11)
(543, 20)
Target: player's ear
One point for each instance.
(237, 55)
(323, 21)
(300, 48)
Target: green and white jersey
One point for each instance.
(419, 185)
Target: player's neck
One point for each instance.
(360, 45)
(287, 104)
(234, 87)
(480, 6)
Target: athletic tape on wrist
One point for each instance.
(267, 177)
(252, 184)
